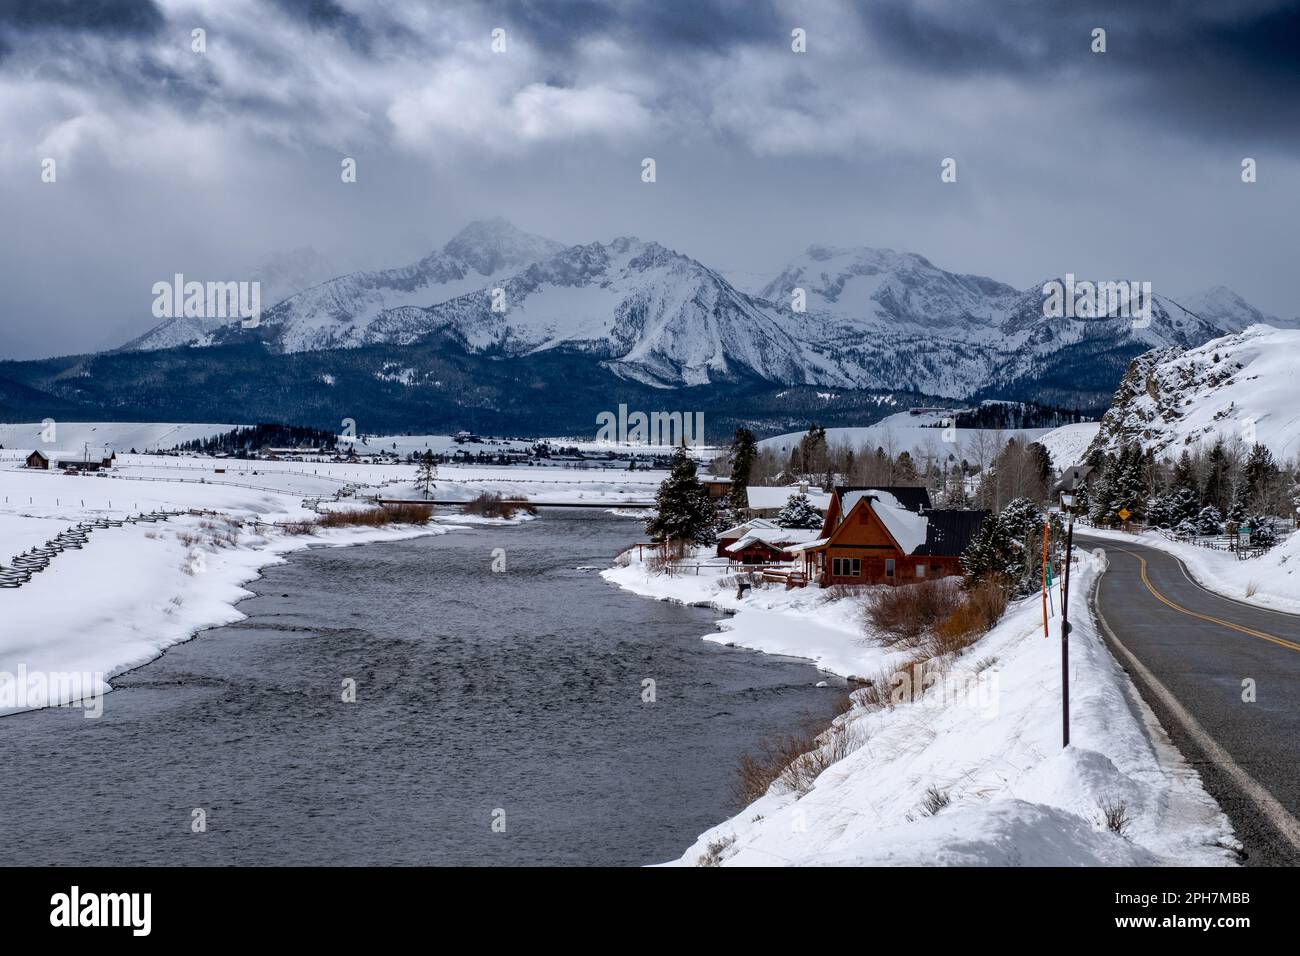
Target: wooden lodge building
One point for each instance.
(886, 535)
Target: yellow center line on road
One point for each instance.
(1272, 639)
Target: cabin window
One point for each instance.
(920, 570)
(857, 567)
(889, 567)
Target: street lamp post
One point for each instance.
(1067, 503)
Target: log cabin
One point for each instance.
(886, 535)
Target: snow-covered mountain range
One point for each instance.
(1241, 386)
(871, 318)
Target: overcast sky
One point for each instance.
(1124, 164)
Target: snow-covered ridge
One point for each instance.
(868, 317)
(1241, 386)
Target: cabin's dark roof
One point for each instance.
(948, 532)
(911, 498)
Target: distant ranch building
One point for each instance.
(93, 459)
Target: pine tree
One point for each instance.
(1104, 507)
(1240, 509)
(684, 512)
(1208, 521)
(799, 513)
(743, 452)
(1215, 492)
(425, 473)
(1260, 474)
(1184, 475)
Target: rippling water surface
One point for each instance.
(476, 691)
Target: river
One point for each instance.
(482, 697)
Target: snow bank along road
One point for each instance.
(1224, 677)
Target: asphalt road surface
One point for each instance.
(1196, 657)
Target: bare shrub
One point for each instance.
(376, 517)
(489, 504)
(665, 554)
(713, 852)
(934, 801)
(1114, 815)
(1252, 588)
(304, 526)
(797, 759)
(977, 612)
(905, 613)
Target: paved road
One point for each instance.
(1190, 652)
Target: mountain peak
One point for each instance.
(489, 245)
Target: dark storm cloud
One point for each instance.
(329, 15)
(21, 18)
(137, 17)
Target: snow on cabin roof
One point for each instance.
(775, 537)
(740, 529)
(809, 545)
(762, 498)
(907, 528)
(77, 454)
(911, 497)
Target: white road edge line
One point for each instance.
(1267, 804)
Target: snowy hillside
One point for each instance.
(120, 436)
(901, 432)
(1244, 385)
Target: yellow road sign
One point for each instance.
(1123, 514)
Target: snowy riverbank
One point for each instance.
(971, 772)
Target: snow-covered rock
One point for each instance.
(1244, 385)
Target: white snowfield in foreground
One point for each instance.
(992, 746)
(1273, 577)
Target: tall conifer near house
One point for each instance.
(684, 511)
(743, 452)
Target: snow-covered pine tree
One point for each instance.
(684, 512)
(799, 513)
(1209, 521)
(1104, 507)
(1240, 510)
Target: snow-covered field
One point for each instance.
(987, 739)
(907, 432)
(1270, 580)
